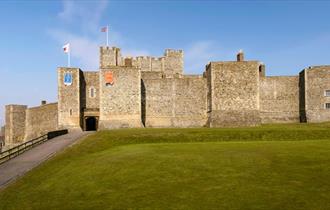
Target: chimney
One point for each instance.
(240, 55)
(43, 102)
(262, 70)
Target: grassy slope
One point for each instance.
(110, 171)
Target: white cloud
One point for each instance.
(85, 42)
(84, 49)
(89, 13)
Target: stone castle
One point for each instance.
(147, 91)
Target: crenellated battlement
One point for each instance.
(170, 63)
(104, 48)
(143, 57)
(173, 52)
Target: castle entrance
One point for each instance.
(91, 124)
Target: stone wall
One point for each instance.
(157, 102)
(190, 104)
(279, 99)
(15, 124)
(69, 106)
(234, 89)
(120, 103)
(90, 83)
(40, 120)
(317, 81)
(152, 91)
(170, 64)
(174, 102)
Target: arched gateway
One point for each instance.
(91, 124)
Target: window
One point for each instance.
(92, 92)
(70, 112)
(327, 105)
(327, 93)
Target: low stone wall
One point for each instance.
(41, 120)
(279, 99)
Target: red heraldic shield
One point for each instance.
(108, 78)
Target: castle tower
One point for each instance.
(233, 93)
(109, 56)
(69, 97)
(15, 124)
(173, 62)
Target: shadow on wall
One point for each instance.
(143, 103)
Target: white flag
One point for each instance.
(66, 48)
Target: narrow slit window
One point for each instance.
(327, 93)
(92, 92)
(70, 112)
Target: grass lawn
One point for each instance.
(268, 167)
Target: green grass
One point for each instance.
(267, 167)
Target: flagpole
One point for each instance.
(107, 36)
(69, 62)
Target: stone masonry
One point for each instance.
(145, 91)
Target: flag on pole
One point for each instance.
(106, 29)
(66, 48)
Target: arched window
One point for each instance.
(92, 92)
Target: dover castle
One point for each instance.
(146, 91)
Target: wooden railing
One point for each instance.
(17, 150)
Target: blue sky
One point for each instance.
(286, 35)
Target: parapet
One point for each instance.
(172, 52)
(104, 49)
(171, 63)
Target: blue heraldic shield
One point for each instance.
(67, 79)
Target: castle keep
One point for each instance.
(146, 91)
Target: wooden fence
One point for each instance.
(17, 150)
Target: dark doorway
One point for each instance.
(91, 124)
